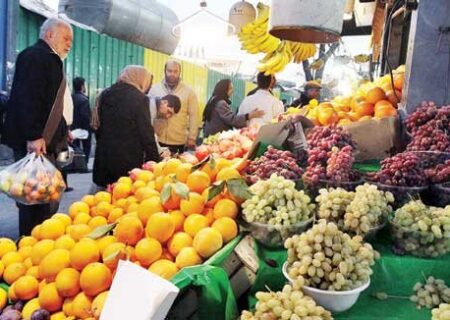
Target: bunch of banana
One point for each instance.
(302, 51)
(276, 61)
(254, 36)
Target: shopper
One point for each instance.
(38, 77)
(81, 115)
(312, 91)
(264, 100)
(179, 131)
(218, 115)
(125, 137)
(165, 107)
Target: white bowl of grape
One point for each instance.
(334, 301)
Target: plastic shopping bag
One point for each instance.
(32, 180)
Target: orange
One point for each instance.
(213, 201)
(98, 303)
(49, 298)
(53, 263)
(30, 307)
(385, 111)
(101, 209)
(78, 231)
(40, 250)
(375, 94)
(144, 175)
(96, 222)
(327, 116)
(64, 218)
(187, 257)
(105, 241)
(227, 227)
(115, 214)
(394, 97)
(102, 196)
(227, 173)
(194, 223)
(160, 226)
(171, 166)
(198, 181)
(382, 104)
(12, 294)
(183, 171)
(25, 252)
(64, 242)
(33, 271)
(26, 287)
(225, 208)
(121, 190)
(399, 78)
(113, 253)
(6, 245)
(364, 109)
(67, 307)
(83, 253)
(11, 257)
(120, 204)
(81, 306)
(179, 241)
(210, 170)
(82, 218)
(193, 204)
(145, 193)
(89, 200)
(27, 241)
(77, 208)
(129, 230)
(209, 214)
(67, 282)
(158, 169)
(149, 207)
(147, 251)
(207, 242)
(164, 268)
(356, 100)
(178, 218)
(95, 278)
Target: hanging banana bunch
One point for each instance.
(255, 38)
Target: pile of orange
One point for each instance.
(372, 100)
(65, 269)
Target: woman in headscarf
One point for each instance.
(125, 136)
(218, 115)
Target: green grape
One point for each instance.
(441, 313)
(431, 293)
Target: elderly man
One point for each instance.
(180, 130)
(40, 107)
(312, 91)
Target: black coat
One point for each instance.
(37, 78)
(81, 111)
(302, 101)
(125, 138)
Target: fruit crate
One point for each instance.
(241, 277)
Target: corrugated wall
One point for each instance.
(95, 57)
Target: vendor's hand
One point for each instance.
(190, 143)
(37, 146)
(256, 113)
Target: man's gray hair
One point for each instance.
(51, 24)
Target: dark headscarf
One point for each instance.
(220, 93)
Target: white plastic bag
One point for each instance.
(138, 294)
(32, 180)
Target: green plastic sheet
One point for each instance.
(212, 285)
(394, 275)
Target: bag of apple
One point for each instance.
(32, 180)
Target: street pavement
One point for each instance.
(9, 227)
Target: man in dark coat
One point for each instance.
(37, 78)
(81, 115)
(312, 91)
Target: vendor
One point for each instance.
(311, 91)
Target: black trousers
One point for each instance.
(31, 216)
(179, 148)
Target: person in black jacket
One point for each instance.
(38, 75)
(81, 115)
(312, 91)
(125, 137)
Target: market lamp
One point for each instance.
(310, 21)
(241, 13)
